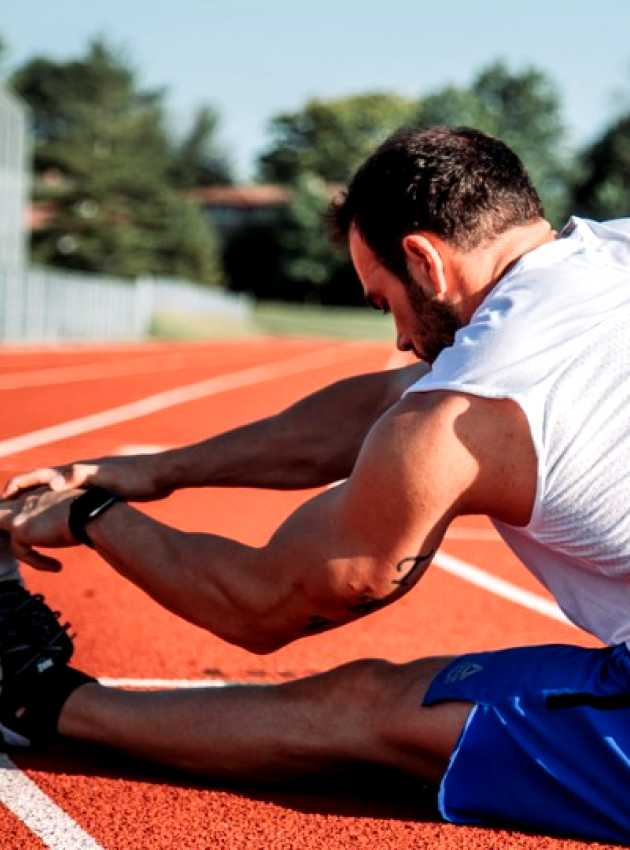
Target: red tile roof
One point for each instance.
(262, 195)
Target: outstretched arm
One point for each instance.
(313, 442)
(344, 553)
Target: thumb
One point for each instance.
(36, 559)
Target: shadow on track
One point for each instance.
(366, 792)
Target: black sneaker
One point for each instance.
(34, 651)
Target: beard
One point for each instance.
(436, 323)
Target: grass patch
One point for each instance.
(190, 326)
(276, 319)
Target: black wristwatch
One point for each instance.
(87, 507)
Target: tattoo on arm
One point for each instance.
(416, 561)
(409, 567)
(409, 574)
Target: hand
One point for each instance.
(132, 478)
(40, 518)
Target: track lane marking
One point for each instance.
(500, 587)
(139, 449)
(174, 684)
(99, 369)
(55, 375)
(180, 395)
(39, 813)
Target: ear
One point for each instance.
(425, 260)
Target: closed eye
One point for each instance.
(381, 306)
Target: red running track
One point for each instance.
(123, 635)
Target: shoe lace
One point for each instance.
(45, 630)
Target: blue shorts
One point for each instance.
(547, 744)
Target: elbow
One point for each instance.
(260, 644)
(264, 647)
(254, 635)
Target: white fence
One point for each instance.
(13, 181)
(46, 306)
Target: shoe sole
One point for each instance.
(13, 739)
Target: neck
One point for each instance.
(479, 270)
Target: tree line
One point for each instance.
(117, 185)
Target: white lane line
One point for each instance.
(143, 365)
(39, 813)
(179, 395)
(138, 449)
(174, 684)
(500, 587)
(92, 371)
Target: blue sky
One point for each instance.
(253, 59)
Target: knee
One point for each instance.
(375, 708)
(350, 686)
(362, 685)
(383, 685)
(360, 697)
(337, 707)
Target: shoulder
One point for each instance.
(475, 454)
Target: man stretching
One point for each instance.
(523, 416)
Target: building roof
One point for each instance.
(39, 214)
(258, 195)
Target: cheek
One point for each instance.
(416, 311)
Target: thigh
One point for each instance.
(413, 736)
(372, 711)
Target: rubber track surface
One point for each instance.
(123, 634)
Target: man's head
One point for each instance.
(421, 200)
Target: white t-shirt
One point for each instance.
(554, 336)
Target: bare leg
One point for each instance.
(364, 712)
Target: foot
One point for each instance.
(34, 652)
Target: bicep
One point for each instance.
(362, 545)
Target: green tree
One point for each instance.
(198, 160)
(330, 138)
(603, 190)
(102, 157)
(524, 110)
(315, 270)
(311, 151)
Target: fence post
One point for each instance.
(144, 305)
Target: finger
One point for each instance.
(71, 478)
(7, 513)
(35, 559)
(26, 480)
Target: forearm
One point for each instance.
(314, 442)
(209, 580)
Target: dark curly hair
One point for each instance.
(458, 183)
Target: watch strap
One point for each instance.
(85, 508)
